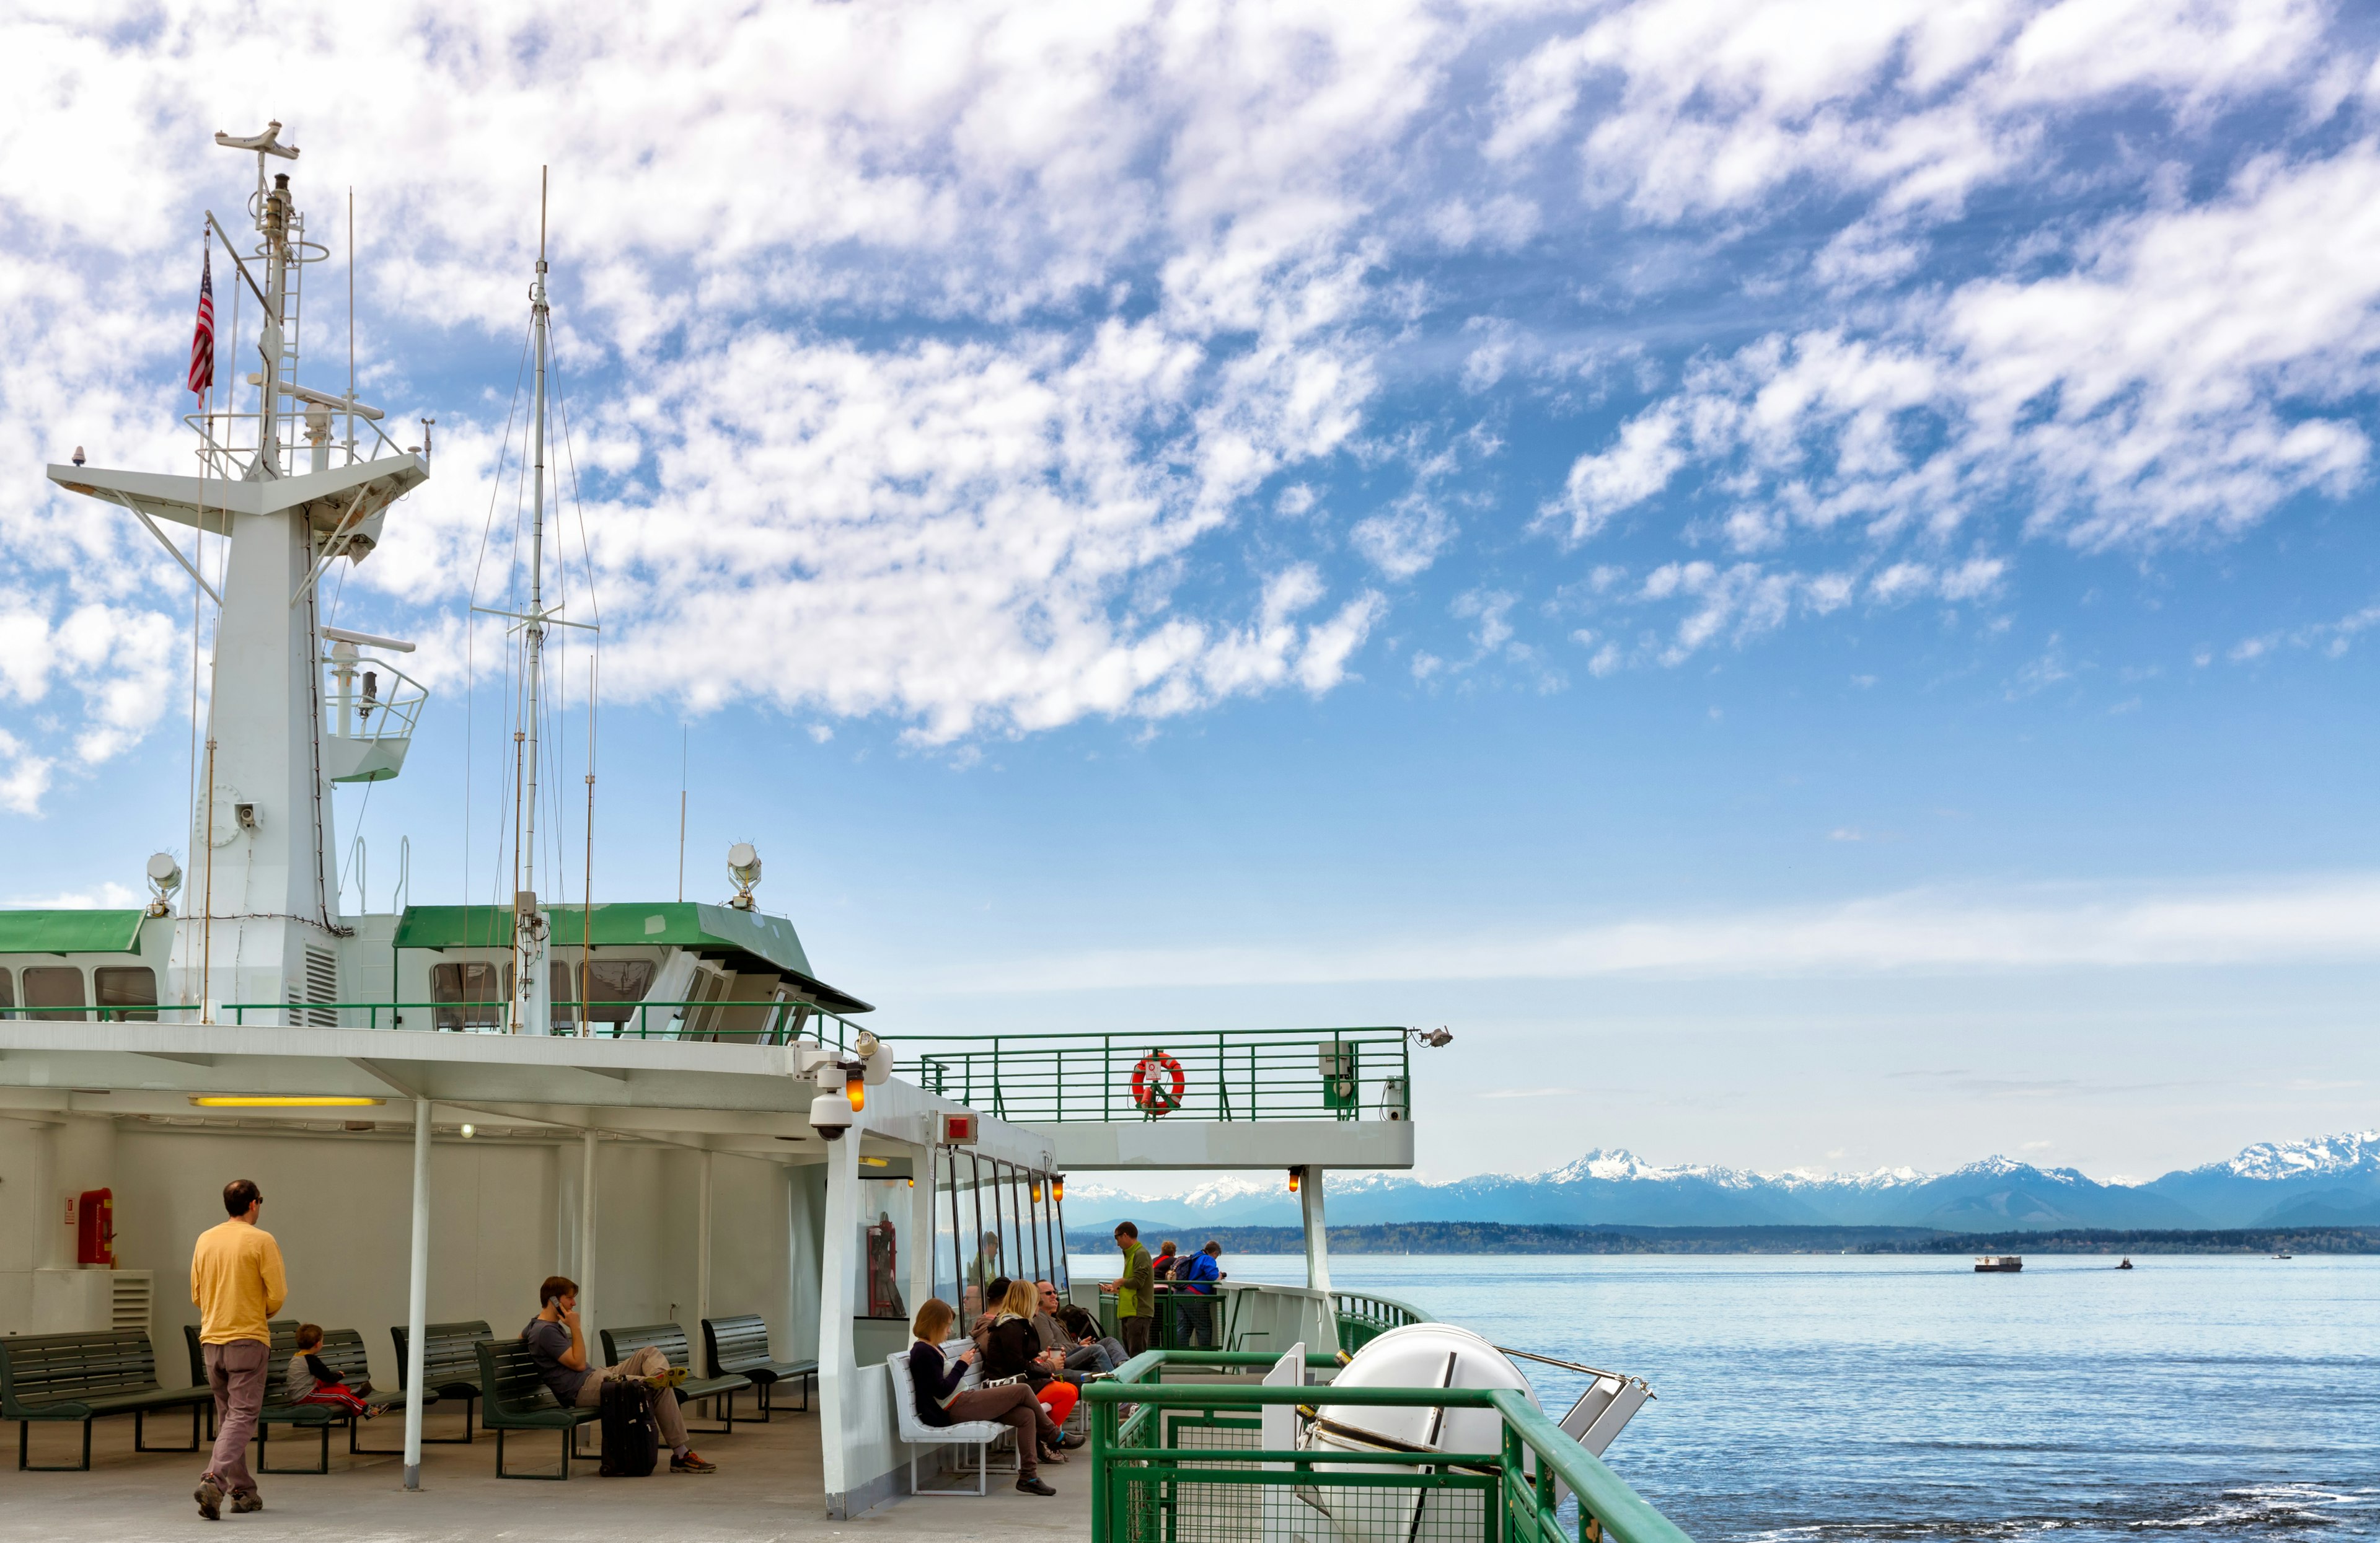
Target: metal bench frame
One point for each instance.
(120, 1347)
(670, 1340)
(504, 1369)
(447, 1348)
(763, 1371)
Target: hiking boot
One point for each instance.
(210, 1498)
(692, 1462)
(1033, 1487)
(247, 1502)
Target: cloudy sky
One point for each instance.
(1801, 574)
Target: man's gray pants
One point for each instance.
(238, 1372)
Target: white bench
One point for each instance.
(978, 1434)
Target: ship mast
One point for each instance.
(532, 983)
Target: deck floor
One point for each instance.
(768, 1487)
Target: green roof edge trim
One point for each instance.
(70, 931)
(623, 924)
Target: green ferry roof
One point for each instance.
(748, 940)
(64, 931)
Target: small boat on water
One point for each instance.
(2285, 1256)
(1998, 1264)
(2126, 1265)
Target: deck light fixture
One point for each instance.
(1436, 1039)
(857, 1091)
(1297, 1175)
(281, 1100)
(1058, 1187)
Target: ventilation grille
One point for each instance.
(128, 1308)
(320, 986)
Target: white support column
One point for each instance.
(838, 1371)
(702, 1254)
(920, 1241)
(1317, 1254)
(417, 1295)
(586, 1225)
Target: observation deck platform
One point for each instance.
(768, 1487)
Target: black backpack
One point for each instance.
(631, 1442)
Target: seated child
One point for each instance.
(311, 1381)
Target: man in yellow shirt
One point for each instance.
(237, 1283)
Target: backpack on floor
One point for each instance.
(631, 1442)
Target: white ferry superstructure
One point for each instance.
(445, 1103)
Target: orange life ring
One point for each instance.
(1157, 1083)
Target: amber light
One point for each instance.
(857, 1091)
(1058, 1187)
(1294, 1175)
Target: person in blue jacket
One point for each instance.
(1194, 1281)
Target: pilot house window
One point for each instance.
(610, 989)
(476, 992)
(130, 987)
(55, 987)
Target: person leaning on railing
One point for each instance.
(1193, 1308)
(939, 1402)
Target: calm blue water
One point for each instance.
(1854, 1398)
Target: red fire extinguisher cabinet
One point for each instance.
(95, 1228)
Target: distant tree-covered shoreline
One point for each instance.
(1496, 1237)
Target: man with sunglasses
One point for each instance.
(238, 1285)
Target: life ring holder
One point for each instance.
(1159, 1084)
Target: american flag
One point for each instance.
(202, 342)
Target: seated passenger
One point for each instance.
(1084, 1330)
(558, 1345)
(311, 1382)
(940, 1402)
(1014, 1350)
(1081, 1361)
(980, 1330)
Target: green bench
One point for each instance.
(670, 1340)
(343, 1351)
(513, 1397)
(284, 1332)
(739, 1347)
(450, 1367)
(82, 1378)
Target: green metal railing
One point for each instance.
(86, 1012)
(1237, 1074)
(1364, 1317)
(1184, 1320)
(1231, 1074)
(1181, 1462)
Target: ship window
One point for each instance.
(614, 988)
(478, 993)
(132, 987)
(55, 987)
(7, 993)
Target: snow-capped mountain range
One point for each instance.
(2321, 1181)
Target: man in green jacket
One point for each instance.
(1135, 1290)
